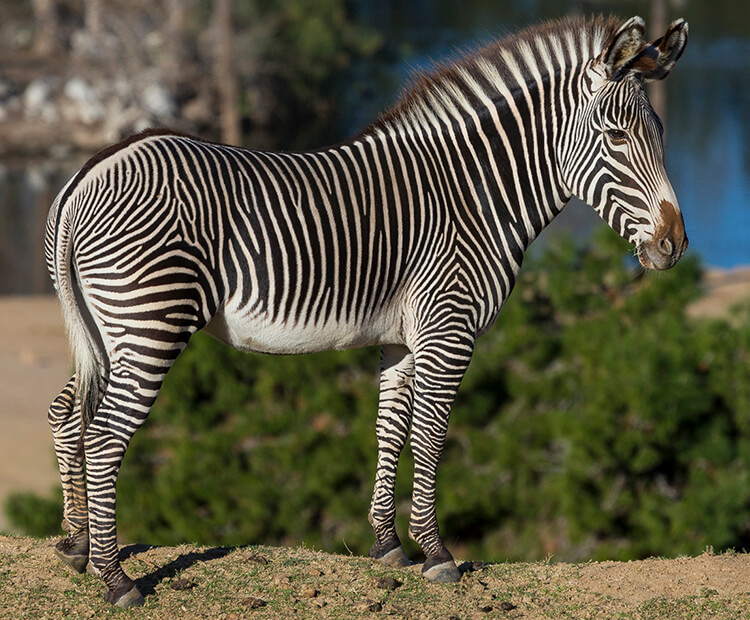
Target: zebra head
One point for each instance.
(621, 171)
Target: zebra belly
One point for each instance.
(261, 335)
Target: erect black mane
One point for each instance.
(588, 34)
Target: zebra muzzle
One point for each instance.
(668, 243)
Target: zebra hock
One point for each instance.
(409, 235)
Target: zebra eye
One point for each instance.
(617, 135)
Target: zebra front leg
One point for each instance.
(64, 417)
(439, 370)
(394, 419)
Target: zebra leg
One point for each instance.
(64, 418)
(439, 370)
(131, 391)
(394, 419)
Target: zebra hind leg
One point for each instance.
(394, 419)
(64, 418)
(127, 400)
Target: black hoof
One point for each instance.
(442, 573)
(74, 554)
(126, 595)
(440, 568)
(395, 558)
(389, 553)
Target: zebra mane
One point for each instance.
(500, 66)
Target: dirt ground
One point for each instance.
(34, 366)
(271, 582)
(723, 288)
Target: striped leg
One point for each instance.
(394, 419)
(131, 391)
(64, 418)
(439, 369)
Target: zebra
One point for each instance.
(410, 235)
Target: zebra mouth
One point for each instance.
(643, 257)
(660, 254)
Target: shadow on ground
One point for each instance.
(147, 584)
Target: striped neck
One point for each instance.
(503, 110)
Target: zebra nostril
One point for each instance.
(665, 247)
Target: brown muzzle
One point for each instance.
(669, 242)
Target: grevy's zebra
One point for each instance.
(409, 235)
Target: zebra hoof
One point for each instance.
(442, 573)
(129, 598)
(395, 558)
(75, 556)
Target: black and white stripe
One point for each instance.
(409, 235)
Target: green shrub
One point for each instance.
(34, 515)
(243, 448)
(624, 429)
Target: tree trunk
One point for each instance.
(92, 16)
(225, 74)
(176, 57)
(46, 25)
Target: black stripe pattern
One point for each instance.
(409, 235)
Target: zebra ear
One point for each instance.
(625, 45)
(628, 54)
(656, 60)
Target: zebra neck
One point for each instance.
(495, 119)
(488, 161)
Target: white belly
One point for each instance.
(259, 334)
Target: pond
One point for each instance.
(707, 120)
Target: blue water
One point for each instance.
(709, 149)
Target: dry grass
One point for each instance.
(268, 582)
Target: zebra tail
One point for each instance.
(83, 335)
